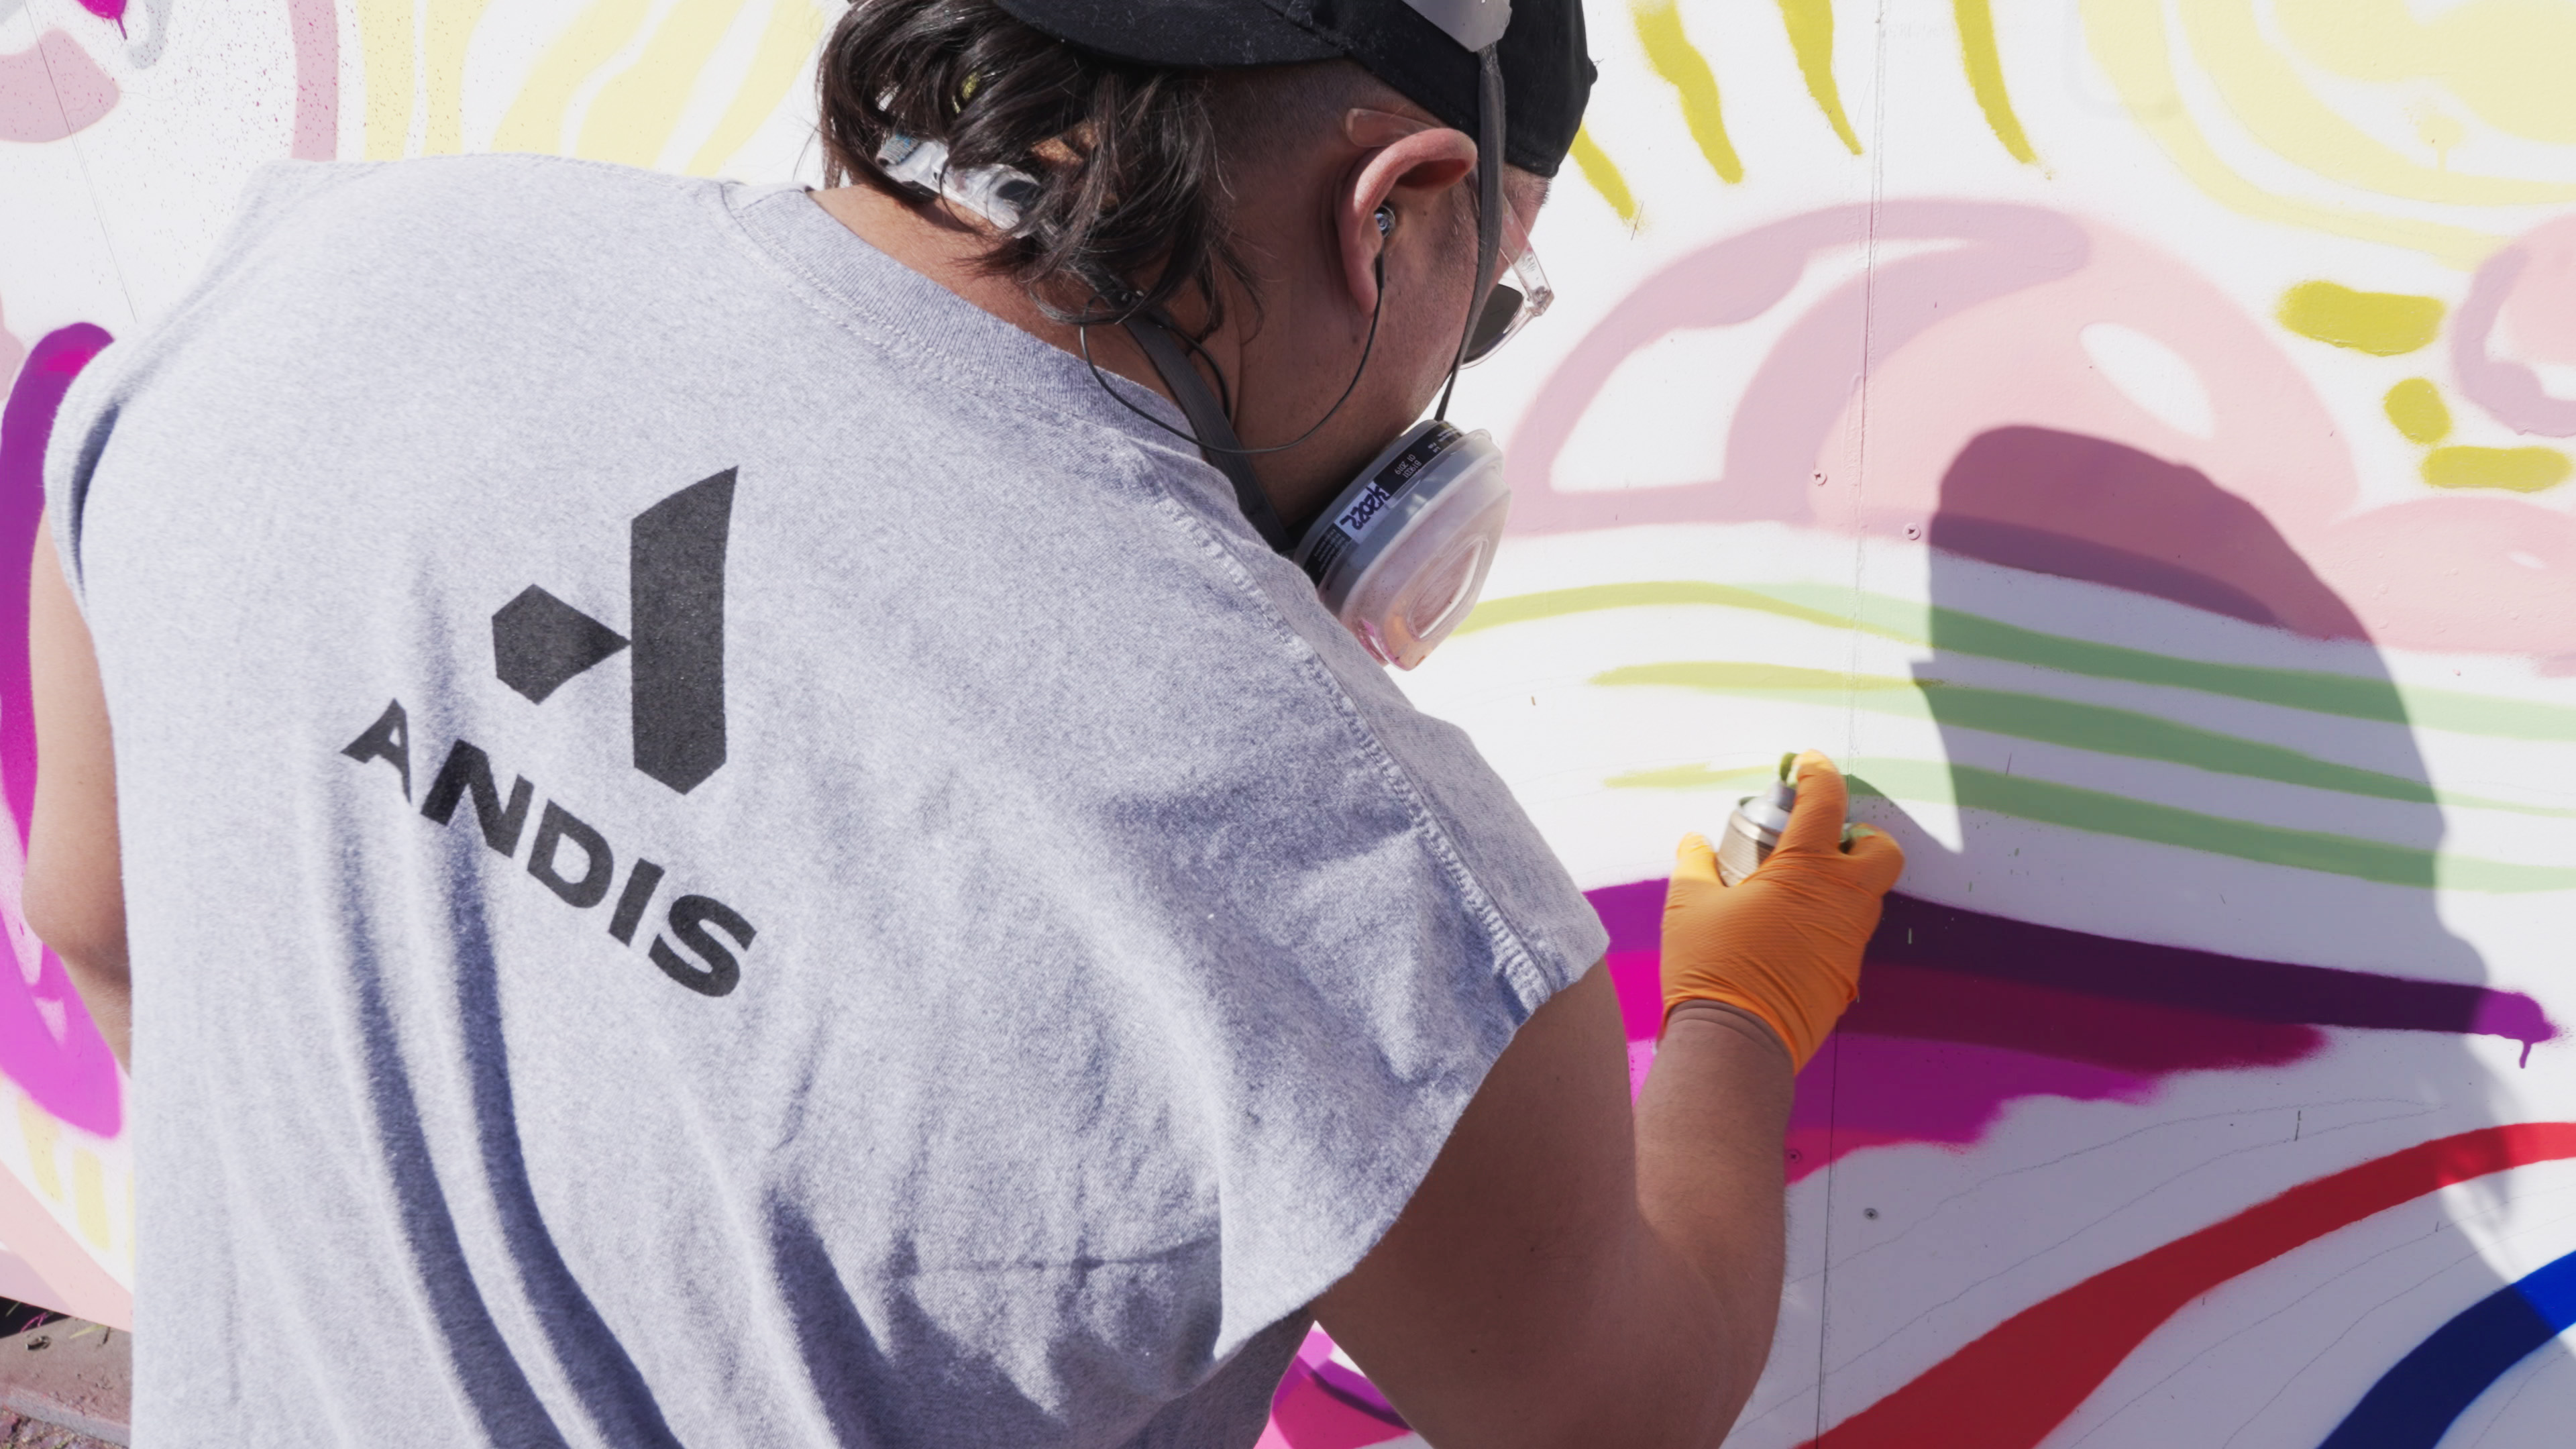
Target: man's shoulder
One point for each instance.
(432, 200)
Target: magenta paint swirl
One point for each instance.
(48, 1045)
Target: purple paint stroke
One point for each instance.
(2508, 390)
(1970, 943)
(1960, 1014)
(1902, 999)
(1919, 933)
(317, 78)
(1811, 375)
(1633, 914)
(52, 90)
(107, 10)
(69, 1072)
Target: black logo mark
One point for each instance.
(675, 605)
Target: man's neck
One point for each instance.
(949, 251)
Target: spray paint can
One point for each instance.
(1753, 831)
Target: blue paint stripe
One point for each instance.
(2415, 1403)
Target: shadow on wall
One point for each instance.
(2177, 765)
(1965, 1012)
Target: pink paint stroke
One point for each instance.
(2524, 285)
(52, 90)
(1987, 334)
(1786, 416)
(48, 1045)
(317, 78)
(1322, 1405)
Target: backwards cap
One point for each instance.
(1425, 49)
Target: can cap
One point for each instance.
(1769, 811)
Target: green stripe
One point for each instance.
(2050, 720)
(2352, 696)
(2101, 813)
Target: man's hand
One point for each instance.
(1783, 944)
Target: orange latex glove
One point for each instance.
(1784, 943)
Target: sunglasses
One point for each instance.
(1519, 294)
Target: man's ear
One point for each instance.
(1406, 167)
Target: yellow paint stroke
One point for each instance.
(786, 44)
(535, 120)
(2101, 812)
(2047, 719)
(2438, 129)
(451, 30)
(386, 59)
(1669, 51)
(2519, 470)
(1841, 609)
(43, 1134)
(630, 120)
(1602, 174)
(2416, 407)
(2383, 324)
(89, 1198)
(2507, 60)
(2268, 96)
(1811, 35)
(1986, 77)
(2127, 38)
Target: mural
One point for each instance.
(2135, 435)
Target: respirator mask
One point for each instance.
(1401, 553)
(1400, 556)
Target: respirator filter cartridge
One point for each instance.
(1401, 554)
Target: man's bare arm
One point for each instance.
(1572, 1273)
(75, 898)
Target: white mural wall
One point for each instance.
(2132, 434)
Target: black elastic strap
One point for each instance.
(1489, 208)
(1217, 442)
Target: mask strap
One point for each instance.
(1489, 207)
(1216, 439)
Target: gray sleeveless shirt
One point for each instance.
(720, 849)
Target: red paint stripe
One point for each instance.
(2012, 1387)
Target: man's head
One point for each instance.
(1248, 166)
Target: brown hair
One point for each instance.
(1131, 204)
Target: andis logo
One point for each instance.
(675, 606)
(675, 593)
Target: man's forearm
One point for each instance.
(1710, 1129)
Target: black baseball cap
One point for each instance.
(1545, 70)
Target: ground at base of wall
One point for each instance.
(18, 1433)
(65, 1384)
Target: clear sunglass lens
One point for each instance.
(1497, 323)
